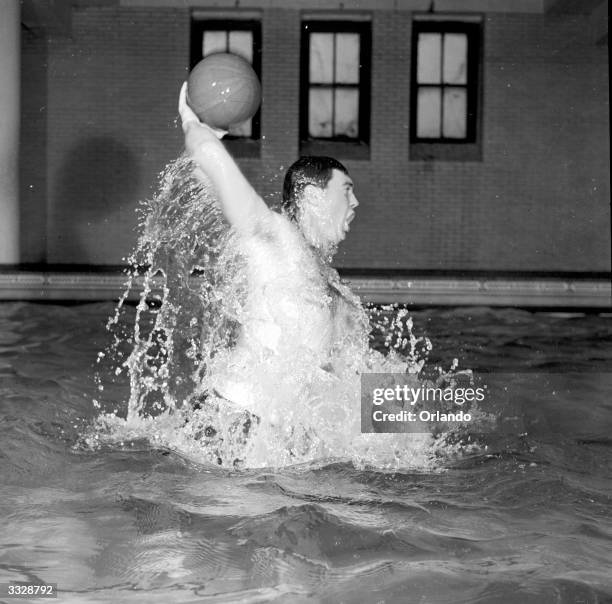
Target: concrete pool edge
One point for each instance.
(422, 291)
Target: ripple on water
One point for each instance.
(138, 522)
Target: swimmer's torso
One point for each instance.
(295, 308)
(289, 305)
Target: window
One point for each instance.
(243, 38)
(335, 88)
(445, 95)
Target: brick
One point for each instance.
(98, 125)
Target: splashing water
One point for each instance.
(185, 336)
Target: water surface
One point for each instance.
(526, 520)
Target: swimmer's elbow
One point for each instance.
(243, 209)
(240, 203)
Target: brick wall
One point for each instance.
(538, 201)
(111, 129)
(33, 151)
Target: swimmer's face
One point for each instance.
(333, 209)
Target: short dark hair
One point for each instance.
(308, 170)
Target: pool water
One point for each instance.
(528, 519)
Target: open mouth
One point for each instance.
(348, 221)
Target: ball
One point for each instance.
(223, 90)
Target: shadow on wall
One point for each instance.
(92, 210)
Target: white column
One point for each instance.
(10, 86)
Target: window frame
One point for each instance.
(241, 146)
(359, 147)
(453, 149)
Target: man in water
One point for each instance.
(296, 306)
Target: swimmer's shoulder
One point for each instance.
(274, 227)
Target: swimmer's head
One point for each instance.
(318, 195)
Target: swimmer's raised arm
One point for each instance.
(240, 203)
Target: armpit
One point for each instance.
(265, 227)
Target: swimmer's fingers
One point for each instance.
(189, 118)
(187, 115)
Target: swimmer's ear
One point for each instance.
(311, 195)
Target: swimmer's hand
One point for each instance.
(195, 131)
